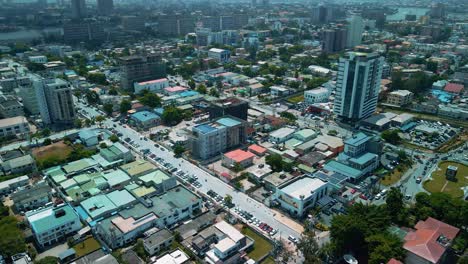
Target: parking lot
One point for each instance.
(430, 135)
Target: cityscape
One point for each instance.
(233, 132)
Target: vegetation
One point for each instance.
(149, 99)
(12, 241)
(276, 163)
(172, 115)
(114, 138)
(125, 105)
(47, 260)
(179, 149)
(395, 175)
(391, 136)
(97, 78)
(439, 182)
(261, 245)
(87, 246)
(59, 153)
(289, 116)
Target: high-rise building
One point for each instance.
(78, 8)
(105, 7)
(133, 23)
(358, 85)
(334, 40)
(55, 101)
(175, 26)
(355, 30)
(230, 106)
(140, 68)
(74, 33)
(437, 10)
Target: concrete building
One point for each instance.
(212, 139)
(318, 95)
(31, 197)
(357, 86)
(14, 126)
(17, 165)
(144, 120)
(8, 186)
(53, 224)
(55, 101)
(78, 9)
(355, 30)
(229, 106)
(334, 40)
(140, 69)
(10, 106)
(400, 97)
(300, 195)
(281, 135)
(38, 59)
(241, 157)
(153, 86)
(105, 7)
(158, 241)
(220, 55)
(133, 23)
(76, 32)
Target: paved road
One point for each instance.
(259, 210)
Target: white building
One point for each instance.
(300, 195)
(53, 224)
(221, 55)
(14, 126)
(400, 97)
(318, 95)
(10, 185)
(358, 85)
(355, 30)
(38, 59)
(153, 86)
(319, 70)
(281, 135)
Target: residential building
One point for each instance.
(158, 241)
(170, 25)
(21, 164)
(221, 55)
(281, 135)
(400, 97)
(315, 96)
(153, 86)
(75, 32)
(78, 9)
(133, 23)
(55, 100)
(8, 186)
(10, 106)
(14, 126)
(105, 7)
(53, 224)
(334, 40)
(357, 86)
(243, 158)
(300, 195)
(144, 120)
(29, 98)
(229, 106)
(38, 59)
(177, 257)
(429, 242)
(139, 69)
(31, 197)
(213, 138)
(355, 30)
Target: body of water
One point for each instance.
(403, 11)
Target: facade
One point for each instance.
(78, 8)
(171, 25)
(74, 32)
(220, 55)
(355, 30)
(105, 7)
(334, 40)
(152, 86)
(31, 197)
(140, 69)
(29, 98)
(157, 241)
(53, 224)
(55, 100)
(144, 119)
(230, 106)
(300, 195)
(10, 185)
(133, 23)
(10, 106)
(315, 96)
(14, 126)
(357, 86)
(400, 97)
(241, 157)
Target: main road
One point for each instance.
(208, 181)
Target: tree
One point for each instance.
(99, 119)
(332, 132)
(45, 132)
(275, 161)
(12, 241)
(192, 84)
(108, 108)
(114, 138)
(113, 91)
(238, 185)
(4, 210)
(201, 89)
(77, 123)
(125, 105)
(309, 247)
(150, 99)
(289, 116)
(237, 167)
(98, 78)
(103, 145)
(35, 67)
(228, 199)
(395, 206)
(47, 260)
(432, 66)
(92, 97)
(47, 141)
(172, 115)
(179, 149)
(391, 136)
(384, 246)
(214, 92)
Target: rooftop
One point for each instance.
(257, 149)
(153, 81)
(343, 169)
(227, 121)
(138, 167)
(358, 139)
(155, 177)
(364, 158)
(454, 88)
(239, 155)
(282, 132)
(13, 121)
(229, 230)
(51, 217)
(145, 116)
(205, 128)
(303, 187)
(175, 89)
(401, 92)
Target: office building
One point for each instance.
(437, 10)
(78, 9)
(139, 69)
(10, 106)
(211, 139)
(334, 40)
(53, 224)
(315, 96)
(175, 26)
(355, 30)
(83, 31)
(400, 97)
(220, 55)
(229, 106)
(105, 7)
(55, 101)
(133, 23)
(14, 126)
(357, 86)
(211, 22)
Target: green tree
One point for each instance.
(395, 206)
(172, 115)
(113, 91)
(12, 241)
(214, 92)
(228, 199)
(125, 105)
(92, 97)
(391, 136)
(384, 246)
(103, 145)
(275, 161)
(114, 138)
(179, 149)
(432, 66)
(202, 89)
(192, 84)
(150, 99)
(77, 123)
(45, 132)
(98, 78)
(4, 211)
(289, 116)
(47, 260)
(309, 247)
(35, 67)
(108, 108)
(99, 119)
(47, 141)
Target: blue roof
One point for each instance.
(408, 126)
(87, 133)
(188, 93)
(46, 219)
(363, 159)
(205, 128)
(343, 169)
(229, 122)
(144, 116)
(159, 111)
(357, 139)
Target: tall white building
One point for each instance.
(55, 100)
(357, 85)
(355, 30)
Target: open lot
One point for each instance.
(261, 246)
(87, 246)
(58, 151)
(439, 183)
(394, 176)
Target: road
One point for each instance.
(243, 201)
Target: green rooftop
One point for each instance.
(46, 219)
(155, 177)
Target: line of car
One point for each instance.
(256, 222)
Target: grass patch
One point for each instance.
(269, 260)
(439, 183)
(261, 245)
(58, 152)
(296, 99)
(394, 176)
(87, 246)
(453, 143)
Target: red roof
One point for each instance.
(239, 155)
(153, 81)
(454, 88)
(425, 243)
(175, 89)
(257, 149)
(394, 261)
